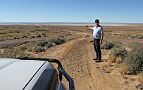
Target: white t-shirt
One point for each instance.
(97, 31)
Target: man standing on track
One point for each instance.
(98, 37)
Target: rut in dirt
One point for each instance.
(77, 59)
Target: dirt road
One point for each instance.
(77, 58)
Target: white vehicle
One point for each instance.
(32, 74)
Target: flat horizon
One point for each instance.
(74, 22)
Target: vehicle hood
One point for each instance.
(18, 74)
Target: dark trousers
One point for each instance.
(97, 49)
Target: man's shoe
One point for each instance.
(94, 58)
(98, 61)
(91, 41)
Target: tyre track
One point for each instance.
(77, 58)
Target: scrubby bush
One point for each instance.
(135, 45)
(119, 51)
(117, 54)
(50, 44)
(13, 53)
(39, 49)
(139, 36)
(134, 60)
(41, 46)
(108, 45)
(42, 43)
(58, 41)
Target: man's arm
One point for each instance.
(89, 27)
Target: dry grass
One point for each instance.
(123, 69)
(119, 60)
(117, 54)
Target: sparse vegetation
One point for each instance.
(20, 34)
(41, 46)
(135, 45)
(131, 62)
(13, 53)
(134, 60)
(117, 54)
(108, 45)
(139, 36)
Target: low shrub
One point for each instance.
(41, 46)
(135, 45)
(13, 53)
(134, 61)
(39, 49)
(139, 36)
(117, 54)
(108, 45)
(119, 51)
(41, 43)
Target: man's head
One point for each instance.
(97, 22)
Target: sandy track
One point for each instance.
(77, 58)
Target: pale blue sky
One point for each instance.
(71, 10)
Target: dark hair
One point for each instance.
(96, 21)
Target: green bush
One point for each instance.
(58, 41)
(39, 49)
(134, 61)
(117, 54)
(41, 43)
(108, 45)
(119, 51)
(41, 46)
(50, 43)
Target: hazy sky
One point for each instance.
(71, 10)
